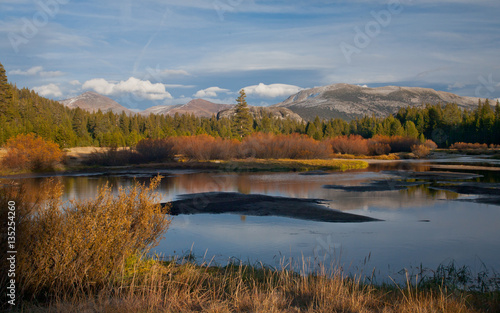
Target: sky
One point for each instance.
(166, 52)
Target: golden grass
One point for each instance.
(291, 164)
(389, 157)
(154, 286)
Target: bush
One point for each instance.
(420, 151)
(397, 143)
(156, 149)
(81, 245)
(378, 148)
(430, 144)
(113, 156)
(353, 144)
(469, 146)
(205, 147)
(294, 146)
(32, 153)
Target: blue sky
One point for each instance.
(154, 52)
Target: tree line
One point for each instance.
(23, 111)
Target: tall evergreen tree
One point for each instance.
(5, 90)
(242, 121)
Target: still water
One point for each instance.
(421, 227)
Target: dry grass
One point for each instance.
(153, 286)
(292, 165)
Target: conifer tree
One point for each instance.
(242, 121)
(5, 92)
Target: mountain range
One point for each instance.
(198, 107)
(92, 102)
(332, 101)
(351, 101)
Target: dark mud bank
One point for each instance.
(261, 205)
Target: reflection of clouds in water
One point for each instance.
(277, 184)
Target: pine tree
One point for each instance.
(410, 130)
(242, 121)
(5, 90)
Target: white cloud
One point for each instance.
(456, 85)
(210, 92)
(36, 70)
(272, 91)
(51, 73)
(48, 90)
(175, 72)
(75, 82)
(140, 88)
(30, 72)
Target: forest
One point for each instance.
(23, 111)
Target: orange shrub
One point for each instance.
(114, 156)
(294, 146)
(205, 147)
(468, 146)
(155, 149)
(378, 148)
(353, 144)
(420, 151)
(397, 143)
(430, 144)
(29, 152)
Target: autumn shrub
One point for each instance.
(420, 151)
(156, 149)
(294, 146)
(32, 153)
(430, 144)
(205, 147)
(397, 143)
(113, 156)
(469, 146)
(82, 245)
(353, 144)
(378, 148)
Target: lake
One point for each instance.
(421, 227)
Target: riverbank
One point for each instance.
(183, 286)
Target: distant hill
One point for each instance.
(259, 112)
(92, 102)
(198, 107)
(350, 101)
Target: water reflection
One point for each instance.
(275, 184)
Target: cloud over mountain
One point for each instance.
(50, 90)
(140, 88)
(210, 92)
(272, 91)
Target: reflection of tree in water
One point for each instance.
(413, 191)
